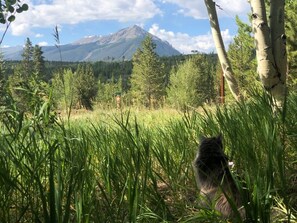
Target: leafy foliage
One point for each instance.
(108, 91)
(8, 9)
(192, 83)
(75, 89)
(291, 33)
(64, 92)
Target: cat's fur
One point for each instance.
(214, 178)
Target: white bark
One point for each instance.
(270, 47)
(270, 50)
(225, 64)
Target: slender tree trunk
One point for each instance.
(270, 47)
(278, 37)
(225, 64)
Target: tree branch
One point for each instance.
(225, 64)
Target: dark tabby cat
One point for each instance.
(214, 178)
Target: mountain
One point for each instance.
(118, 46)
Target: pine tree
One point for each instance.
(19, 83)
(26, 85)
(38, 61)
(27, 63)
(2, 79)
(86, 86)
(242, 57)
(147, 79)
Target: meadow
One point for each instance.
(136, 165)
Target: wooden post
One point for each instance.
(222, 54)
(118, 101)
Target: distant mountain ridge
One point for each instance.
(123, 34)
(114, 47)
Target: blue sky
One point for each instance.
(183, 23)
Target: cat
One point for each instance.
(214, 179)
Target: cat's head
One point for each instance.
(211, 144)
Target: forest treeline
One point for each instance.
(147, 80)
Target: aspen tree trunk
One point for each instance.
(270, 41)
(270, 47)
(225, 64)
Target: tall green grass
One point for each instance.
(262, 143)
(126, 170)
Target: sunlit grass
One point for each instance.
(136, 165)
(146, 117)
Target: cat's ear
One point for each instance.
(220, 140)
(201, 138)
(220, 137)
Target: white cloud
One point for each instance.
(45, 14)
(43, 43)
(20, 28)
(186, 43)
(140, 25)
(38, 35)
(197, 9)
(2, 28)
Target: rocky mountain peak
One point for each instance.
(132, 32)
(119, 45)
(123, 34)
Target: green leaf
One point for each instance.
(2, 21)
(25, 7)
(11, 9)
(12, 2)
(19, 10)
(11, 18)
